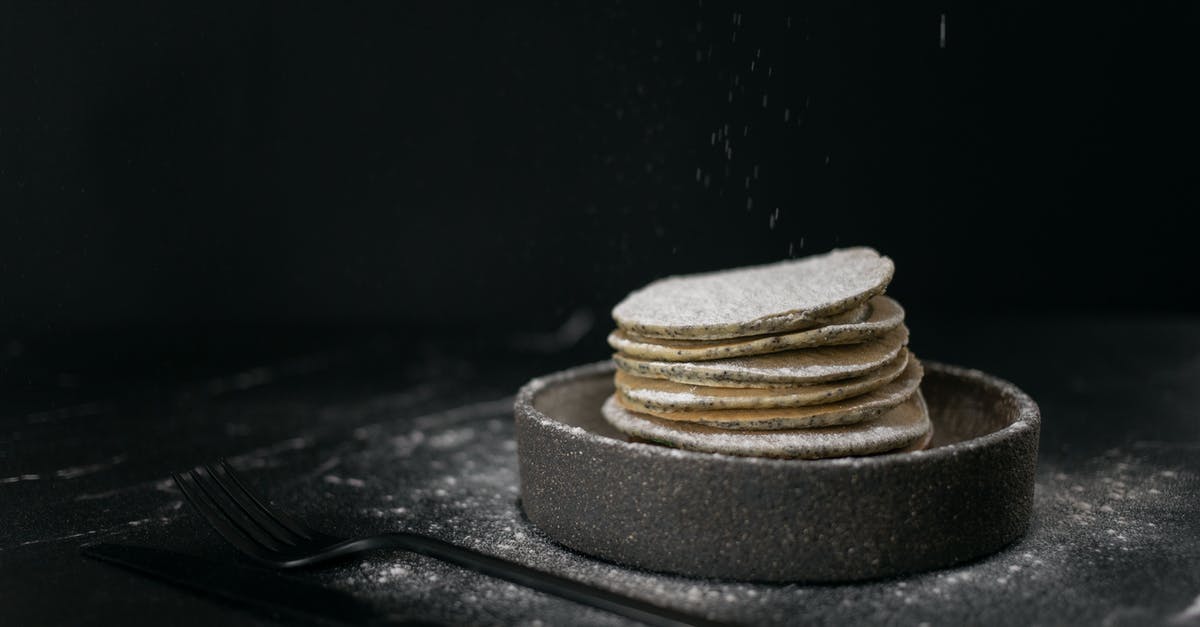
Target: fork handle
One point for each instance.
(523, 575)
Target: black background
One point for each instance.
(169, 169)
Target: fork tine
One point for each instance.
(213, 516)
(231, 512)
(291, 524)
(251, 507)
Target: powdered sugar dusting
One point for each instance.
(758, 299)
(797, 367)
(672, 396)
(1128, 510)
(893, 429)
(465, 491)
(886, 315)
(1138, 494)
(846, 411)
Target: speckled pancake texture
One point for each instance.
(899, 427)
(789, 368)
(843, 412)
(803, 358)
(669, 396)
(885, 315)
(771, 298)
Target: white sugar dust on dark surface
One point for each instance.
(1111, 540)
(453, 475)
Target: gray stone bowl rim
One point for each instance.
(1028, 416)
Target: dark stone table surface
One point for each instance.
(357, 430)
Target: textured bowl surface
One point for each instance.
(701, 514)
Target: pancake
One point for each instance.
(904, 425)
(843, 412)
(885, 315)
(850, 316)
(767, 299)
(659, 395)
(920, 444)
(796, 367)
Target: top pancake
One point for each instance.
(772, 298)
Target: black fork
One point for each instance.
(275, 539)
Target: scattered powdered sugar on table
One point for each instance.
(453, 475)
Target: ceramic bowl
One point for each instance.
(968, 494)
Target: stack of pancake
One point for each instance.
(802, 359)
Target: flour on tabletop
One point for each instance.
(1088, 516)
